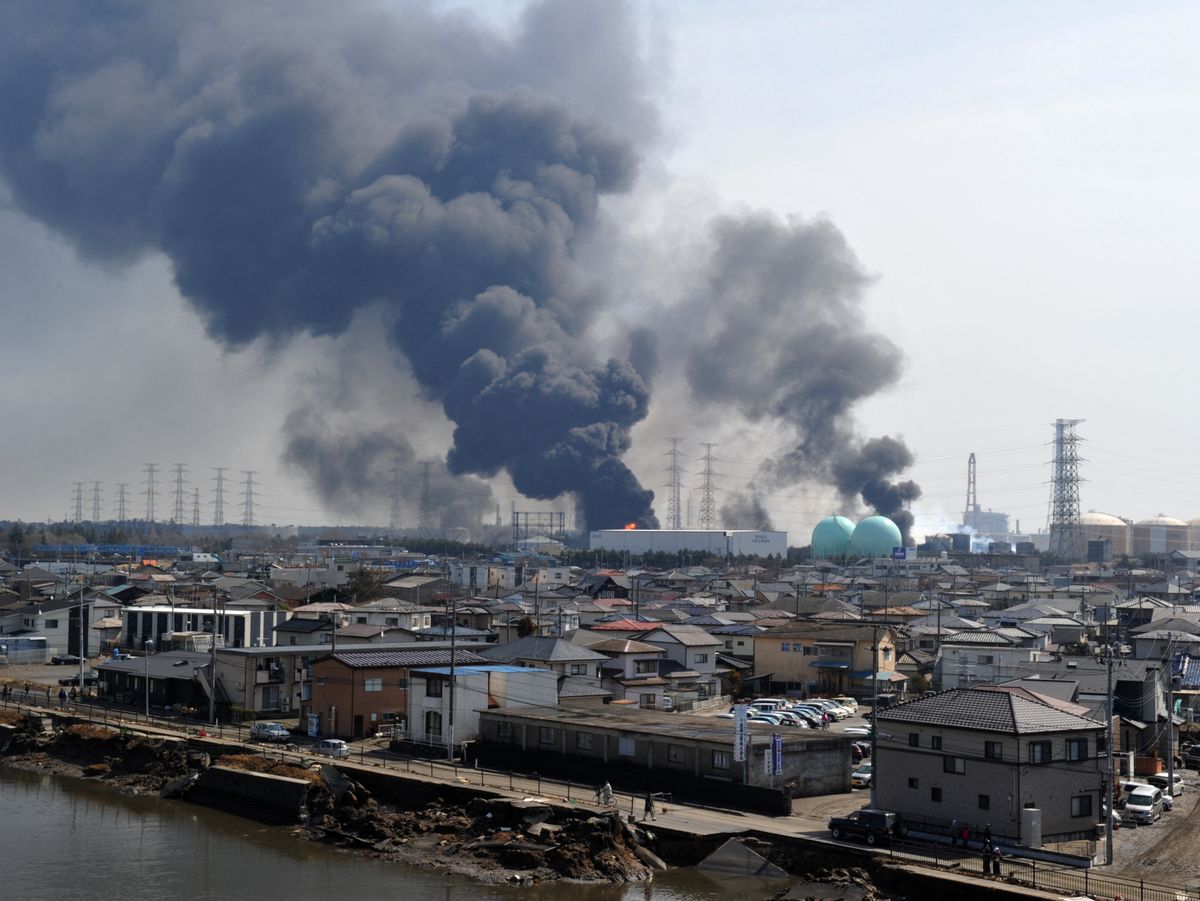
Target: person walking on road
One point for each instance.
(62, 697)
(954, 833)
(997, 856)
(986, 853)
(648, 807)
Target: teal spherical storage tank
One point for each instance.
(875, 536)
(831, 538)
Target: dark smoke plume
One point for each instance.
(350, 467)
(783, 337)
(745, 511)
(297, 163)
(866, 473)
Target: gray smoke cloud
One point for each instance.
(355, 469)
(782, 336)
(296, 164)
(745, 511)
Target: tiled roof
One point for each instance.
(533, 647)
(986, 710)
(435, 657)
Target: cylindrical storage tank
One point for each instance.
(1094, 525)
(1159, 535)
(875, 536)
(831, 538)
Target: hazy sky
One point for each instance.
(1019, 179)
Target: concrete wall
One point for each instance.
(261, 796)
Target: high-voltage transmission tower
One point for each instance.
(1063, 518)
(674, 486)
(77, 500)
(219, 495)
(426, 503)
(95, 501)
(196, 507)
(248, 497)
(708, 490)
(180, 481)
(972, 498)
(121, 501)
(394, 520)
(151, 470)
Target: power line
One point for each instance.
(151, 470)
(180, 480)
(219, 495)
(708, 504)
(248, 497)
(674, 486)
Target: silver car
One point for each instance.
(332, 747)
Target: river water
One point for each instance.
(63, 838)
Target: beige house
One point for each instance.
(980, 755)
(828, 658)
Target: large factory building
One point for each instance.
(737, 542)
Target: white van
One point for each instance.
(847, 702)
(1144, 804)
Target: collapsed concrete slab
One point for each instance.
(735, 859)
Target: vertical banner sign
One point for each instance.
(768, 763)
(739, 733)
(777, 748)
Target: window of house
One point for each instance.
(373, 685)
(360, 620)
(1081, 806)
(985, 802)
(720, 760)
(808, 650)
(547, 734)
(583, 741)
(993, 750)
(433, 723)
(675, 754)
(578, 669)
(1039, 752)
(433, 688)
(51, 624)
(320, 680)
(985, 659)
(784, 646)
(700, 658)
(626, 746)
(728, 645)
(504, 730)
(1077, 749)
(914, 782)
(956, 765)
(646, 701)
(936, 743)
(914, 739)
(935, 795)
(645, 666)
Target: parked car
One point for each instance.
(1160, 781)
(862, 732)
(270, 732)
(65, 659)
(1143, 806)
(864, 747)
(861, 777)
(332, 747)
(873, 826)
(91, 677)
(845, 701)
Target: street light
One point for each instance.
(148, 647)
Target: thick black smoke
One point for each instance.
(782, 336)
(297, 163)
(352, 470)
(745, 511)
(867, 471)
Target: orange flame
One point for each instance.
(630, 525)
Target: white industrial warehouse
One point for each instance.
(736, 542)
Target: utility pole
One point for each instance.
(219, 495)
(248, 497)
(874, 712)
(212, 665)
(453, 648)
(674, 486)
(1109, 776)
(95, 501)
(180, 479)
(151, 470)
(708, 502)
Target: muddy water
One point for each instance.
(64, 838)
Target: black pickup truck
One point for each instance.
(873, 826)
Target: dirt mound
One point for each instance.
(257, 764)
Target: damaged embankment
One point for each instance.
(451, 828)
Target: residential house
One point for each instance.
(563, 657)
(689, 664)
(631, 671)
(829, 658)
(435, 718)
(982, 756)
